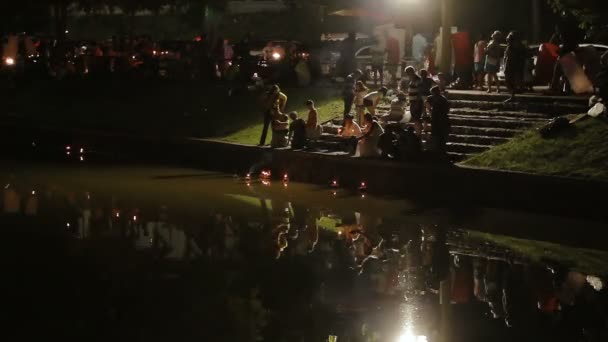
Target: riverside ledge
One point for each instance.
(436, 184)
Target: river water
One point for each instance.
(100, 252)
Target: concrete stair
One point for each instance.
(482, 121)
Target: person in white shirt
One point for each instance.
(371, 100)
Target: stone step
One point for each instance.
(512, 114)
(466, 148)
(485, 131)
(458, 157)
(477, 139)
(489, 122)
(551, 109)
(499, 118)
(493, 97)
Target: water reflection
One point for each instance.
(298, 273)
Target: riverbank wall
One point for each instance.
(426, 182)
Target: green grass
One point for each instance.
(584, 260)
(161, 108)
(327, 102)
(578, 152)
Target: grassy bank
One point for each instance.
(580, 152)
(153, 108)
(583, 260)
(328, 104)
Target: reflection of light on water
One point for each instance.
(595, 282)
(408, 337)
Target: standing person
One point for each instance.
(371, 100)
(393, 56)
(378, 51)
(439, 107)
(360, 93)
(415, 98)
(479, 53)
(515, 60)
(368, 142)
(493, 60)
(273, 97)
(313, 129)
(426, 84)
(297, 131)
(228, 53)
(348, 90)
(347, 55)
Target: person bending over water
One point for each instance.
(368, 142)
(297, 131)
(371, 100)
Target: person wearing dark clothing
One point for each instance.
(602, 79)
(274, 98)
(348, 90)
(346, 63)
(415, 98)
(387, 142)
(297, 131)
(515, 59)
(409, 145)
(439, 107)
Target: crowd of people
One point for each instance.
(418, 110)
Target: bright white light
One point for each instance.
(408, 336)
(9, 61)
(595, 282)
(276, 56)
(67, 31)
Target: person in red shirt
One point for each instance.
(393, 57)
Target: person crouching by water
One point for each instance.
(439, 107)
(371, 100)
(397, 109)
(297, 132)
(273, 97)
(279, 129)
(349, 133)
(313, 129)
(368, 142)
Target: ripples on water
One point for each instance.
(245, 266)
